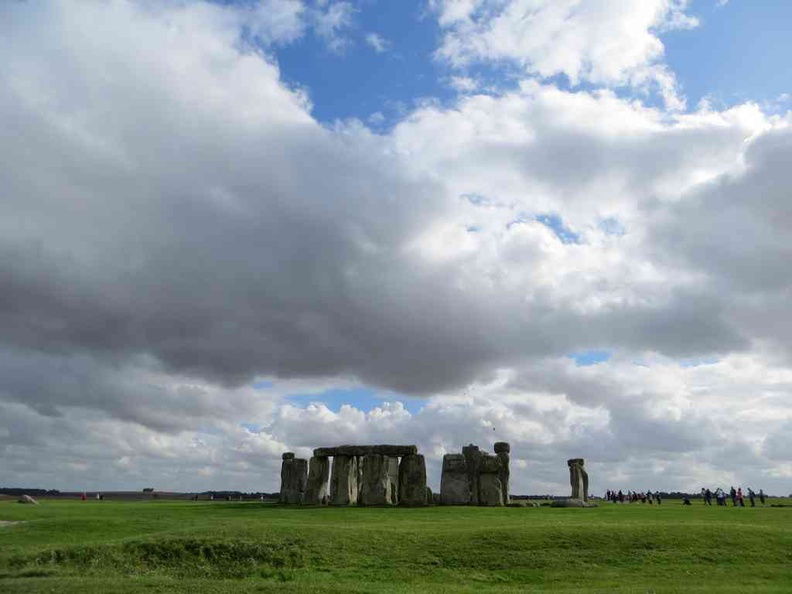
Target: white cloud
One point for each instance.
(377, 118)
(377, 42)
(639, 426)
(279, 21)
(463, 84)
(605, 42)
(331, 21)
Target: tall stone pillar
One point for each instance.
(585, 483)
(294, 479)
(317, 489)
(454, 484)
(344, 484)
(490, 488)
(412, 481)
(393, 477)
(473, 459)
(376, 485)
(578, 479)
(502, 450)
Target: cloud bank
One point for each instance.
(183, 246)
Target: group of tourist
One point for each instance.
(736, 495)
(707, 495)
(633, 497)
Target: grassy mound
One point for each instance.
(167, 557)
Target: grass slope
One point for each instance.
(73, 546)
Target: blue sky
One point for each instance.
(363, 399)
(737, 53)
(357, 81)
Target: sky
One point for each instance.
(234, 229)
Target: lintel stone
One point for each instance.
(357, 450)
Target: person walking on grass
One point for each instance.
(761, 497)
(707, 497)
(740, 500)
(733, 495)
(752, 497)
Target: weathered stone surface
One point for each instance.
(502, 450)
(318, 486)
(393, 477)
(375, 488)
(454, 485)
(288, 456)
(344, 484)
(412, 481)
(502, 447)
(430, 497)
(490, 488)
(28, 500)
(294, 479)
(578, 479)
(489, 464)
(357, 450)
(472, 456)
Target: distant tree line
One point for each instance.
(16, 492)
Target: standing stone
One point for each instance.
(344, 485)
(393, 477)
(412, 480)
(286, 473)
(578, 478)
(294, 479)
(502, 450)
(316, 491)
(454, 485)
(430, 497)
(473, 459)
(490, 488)
(376, 486)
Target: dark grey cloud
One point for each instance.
(734, 228)
(733, 231)
(226, 240)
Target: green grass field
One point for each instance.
(107, 546)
